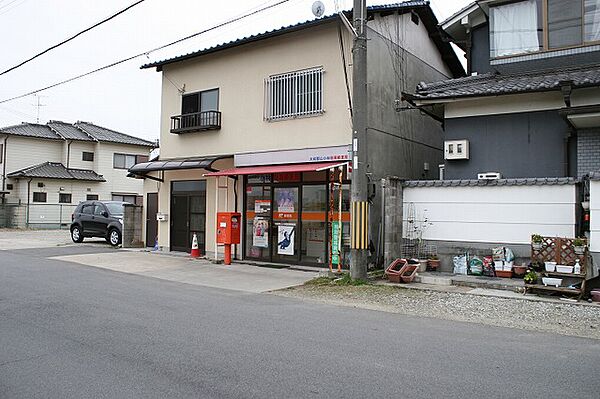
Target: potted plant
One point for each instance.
(536, 241)
(520, 270)
(579, 246)
(530, 277)
(433, 262)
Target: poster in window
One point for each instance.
(262, 206)
(260, 233)
(286, 200)
(285, 239)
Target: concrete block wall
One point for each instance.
(588, 151)
(132, 227)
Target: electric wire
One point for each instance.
(72, 37)
(145, 53)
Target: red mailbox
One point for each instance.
(228, 227)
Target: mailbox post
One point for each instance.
(228, 231)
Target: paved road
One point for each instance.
(72, 331)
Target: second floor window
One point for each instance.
(123, 161)
(202, 101)
(534, 25)
(87, 156)
(294, 94)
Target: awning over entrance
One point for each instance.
(142, 169)
(267, 169)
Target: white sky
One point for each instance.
(123, 98)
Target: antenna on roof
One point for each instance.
(38, 105)
(318, 9)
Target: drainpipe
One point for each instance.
(28, 199)
(4, 164)
(566, 156)
(69, 152)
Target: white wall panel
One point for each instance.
(595, 216)
(506, 214)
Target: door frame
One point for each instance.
(188, 195)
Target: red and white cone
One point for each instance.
(195, 251)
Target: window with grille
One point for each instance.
(294, 94)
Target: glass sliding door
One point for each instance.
(285, 229)
(313, 248)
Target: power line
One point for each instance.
(145, 53)
(8, 7)
(72, 37)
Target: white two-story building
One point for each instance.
(259, 126)
(46, 170)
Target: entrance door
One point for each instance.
(285, 229)
(188, 214)
(151, 222)
(180, 223)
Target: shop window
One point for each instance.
(294, 94)
(314, 224)
(123, 161)
(64, 198)
(40, 197)
(87, 156)
(258, 223)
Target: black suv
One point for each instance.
(98, 219)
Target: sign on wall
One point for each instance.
(260, 233)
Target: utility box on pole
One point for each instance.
(360, 165)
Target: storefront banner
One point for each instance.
(262, 206)
(260, 233)
(335, 243)
(286, 200)
(285, 239)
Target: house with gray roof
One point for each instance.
(530, 107)
(47, 169)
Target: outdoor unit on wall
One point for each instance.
(456, 149)
(489, 176)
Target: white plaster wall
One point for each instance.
(595, 216)
(239, 74)
(75, 153)
(23, 152)
(116, 179)
(505, 214)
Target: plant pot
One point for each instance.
(504, 273)
(408, 273)
(536, 245)
(579, 250)
(519, 270)
(595, 293)
(422, 265)
(433, 263)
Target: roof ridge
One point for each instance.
(29, 168)
(112, 130)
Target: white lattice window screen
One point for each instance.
(294, 94)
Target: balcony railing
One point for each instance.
(198, 121)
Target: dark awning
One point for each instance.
(267, 169)
(142, 169)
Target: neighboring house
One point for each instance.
(272, 113)
(531, 107)
(48, 169)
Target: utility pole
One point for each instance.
(359, 185)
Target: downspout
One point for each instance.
(4, 164)
(566, 88)
(469, 46)
(28, 199)
(69, 152)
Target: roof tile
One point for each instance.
(55, 170)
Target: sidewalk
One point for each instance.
(183, 269)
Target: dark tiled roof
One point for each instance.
(55, 170)
(546, 181)
(78, 131)
(493, 84)
(31, 130)
(69, 131)
(429, 19)
(103, 134)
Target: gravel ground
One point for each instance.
(566, 319)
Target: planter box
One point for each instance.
(504, 273)
(564, 269)
(408, 273)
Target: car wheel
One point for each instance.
(76, 234)
(114, 237)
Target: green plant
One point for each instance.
(434, 257)
(530, 277)
(537, 239)
(579, 242)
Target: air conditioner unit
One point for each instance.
(456, 149)
(489, 176)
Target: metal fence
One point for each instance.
(46, 216)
